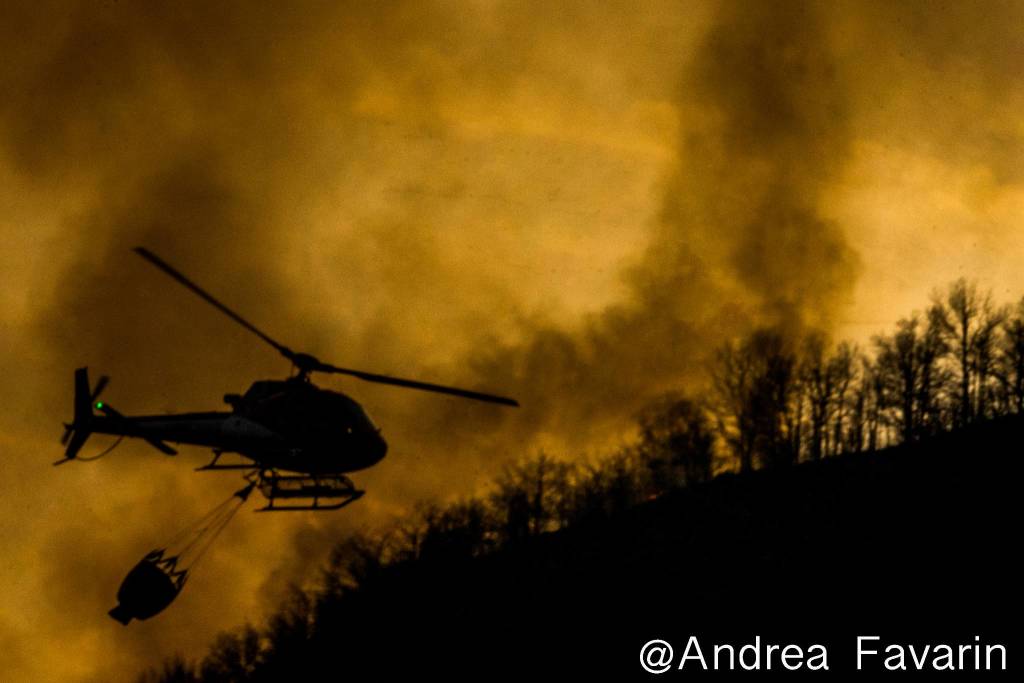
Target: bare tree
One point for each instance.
(863, 406)
(733, 377)
(843, 369)
(612, 484)
(455, 532)
(1009, 363)
(909, 376)
(288, 631)
(968, 321)
(532, 497)
(874, 388)
(826, 379)
(817, 383)
(897, 362)
(754, 382)
(234, 657)
(932, 387)
(676, 442)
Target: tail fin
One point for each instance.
(78, 431)
(80, 428)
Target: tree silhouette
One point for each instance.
(826, 379)
(532, 497)
(910, 376)
(968, 322)
(676, 442)
(234, 657)
(755, 384)
(458, 531)
(864, 406)
(1009, 361)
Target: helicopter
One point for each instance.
(295, 441)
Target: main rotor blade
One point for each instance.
(305, 362)
(413, 384)
(203, 294)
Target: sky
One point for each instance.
(571, 203)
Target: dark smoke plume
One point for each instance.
(740, 241)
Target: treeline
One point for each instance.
(780, 400)
(773, 400)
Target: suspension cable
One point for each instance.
(201, 534)
(225, 513)
(198, 524)
(202, 550)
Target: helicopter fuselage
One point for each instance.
(287, 425)
(277, 426)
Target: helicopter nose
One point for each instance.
(378, 447)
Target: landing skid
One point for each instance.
(305, 492)
(292, 492)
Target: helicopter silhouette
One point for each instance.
(295, 441)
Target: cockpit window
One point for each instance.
(305, 412)
(359, 416)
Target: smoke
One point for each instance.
(781, 108)
(569, 203)
(740, 240)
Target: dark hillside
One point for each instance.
(916, 543)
